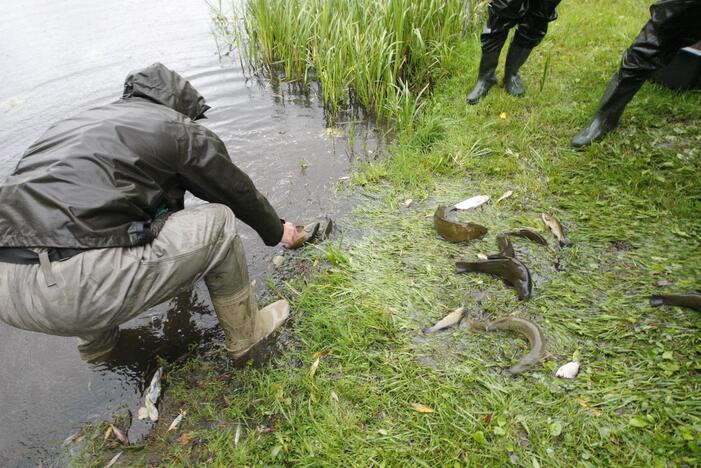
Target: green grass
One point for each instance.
(382, 55)
(631, 204)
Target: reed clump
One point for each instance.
(380, 54)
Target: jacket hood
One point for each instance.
(164, 86)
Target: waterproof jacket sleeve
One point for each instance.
(206, 170)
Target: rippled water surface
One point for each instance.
(60, 57)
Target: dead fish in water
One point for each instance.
(531, 331)
(529, 234)
(456, 231)
(691, 300)
(305, 234)
(154, 391)
(554, 225)
(449, 320)
(122, 437)
(473, 202)
(509, 269)
(505, 247)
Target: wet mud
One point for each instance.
(63, 57)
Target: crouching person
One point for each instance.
(93, 228)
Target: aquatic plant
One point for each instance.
(382, 55)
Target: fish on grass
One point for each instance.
(509, 269)
(456, 231)
(472, 203)
(533, 334)
(690, 301)
(556, 228)
(506, 249)
(529, 234)
(448, 321)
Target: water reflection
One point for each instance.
(168, 337)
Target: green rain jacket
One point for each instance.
(100, 179)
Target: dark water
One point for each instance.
(60, 57)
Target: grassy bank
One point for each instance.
(380, 54)
(631, 204)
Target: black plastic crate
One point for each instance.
(684, 72)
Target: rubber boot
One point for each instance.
(244, 324)
(97, 346)
(613, 102)
(516, 57)
(486, 77)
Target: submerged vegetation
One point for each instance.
(357, 383)
(382, 55)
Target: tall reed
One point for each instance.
(381, 54)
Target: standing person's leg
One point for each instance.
(674, 24)
(503, 15)
(530, 32)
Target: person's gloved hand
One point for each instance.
(289, 234)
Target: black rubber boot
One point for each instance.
(516, 57)
(613, 102)
(486, 78)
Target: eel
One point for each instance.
(529, 234)
(456, 231)
(691, 300)
(509, 269)
(531, 331)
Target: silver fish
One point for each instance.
(472, 202)
(449, 320)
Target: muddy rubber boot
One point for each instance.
(613, 102)
(98, 345)
(244, 324)
(486, 78)
(516, 57)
